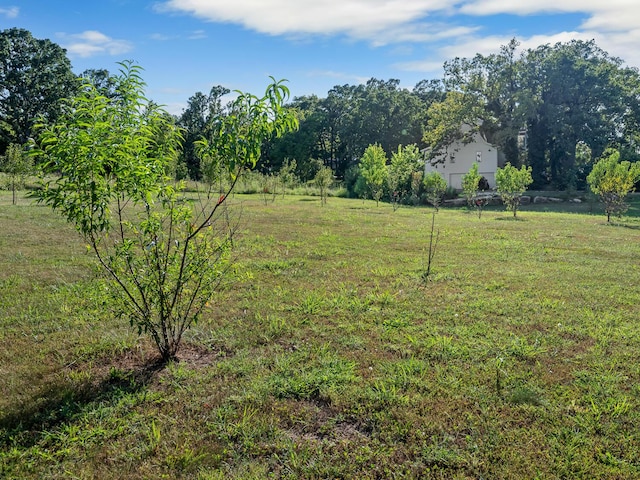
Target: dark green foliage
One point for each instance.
(337, 129)
(35, 75)
(197, 122)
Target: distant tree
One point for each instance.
(314, 140)
(212, 168)
(492, 89)
(197, 122)
(612, 180)
(17, 165)
(575, 93)
(435, 186)
(471, 186)
(416, 186)
(323, 180)
(404, 162)
(454, 120)
(34, 76)
(511, 184)
(164, 256)
(373, 171)
(104, 82)
(286, 174)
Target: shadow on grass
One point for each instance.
(59, 402)
(623, 225)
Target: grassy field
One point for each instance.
(330, 356)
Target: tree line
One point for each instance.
(555, 108)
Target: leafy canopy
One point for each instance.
(373, 170)
(511, 184)
(404, 162)
(165, 255)
(612, 180)
(435, 187)
(34, 76)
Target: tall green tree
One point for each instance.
(197, 122)
(311, 142)
(578, 94)
(453, 121)
(104, 82)
(495, 82)
(338, 128)
(34, 76)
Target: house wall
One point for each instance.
(460, 161)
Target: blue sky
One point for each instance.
(187, 46)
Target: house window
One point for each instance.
(478, 156)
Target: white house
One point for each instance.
(460, 158)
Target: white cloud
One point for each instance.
(197, 35)
(361, 19)
(160, 37)
(92, 42)
(602, 14)
(10, 12)
(622, 45)
(612, 23)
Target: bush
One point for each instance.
(612, 180)
(164, 256)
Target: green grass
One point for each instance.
(330, 357)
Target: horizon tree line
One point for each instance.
(570, 100)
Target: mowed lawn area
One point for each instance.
(329, 355)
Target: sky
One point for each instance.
(188, 46)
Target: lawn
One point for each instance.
(329, 355)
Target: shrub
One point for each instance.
(435, 188)
(511, 184)
(612, 180)
(164, 256)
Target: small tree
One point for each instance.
(612, 180)
(435, 187)
(164, 256)
(512, 183)
(286, 174)
(373, 170)
(404, 163)
(268, 186)
(323, 180)
(416, 186)
(471, 188)
(17, 165)
(213, 169)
